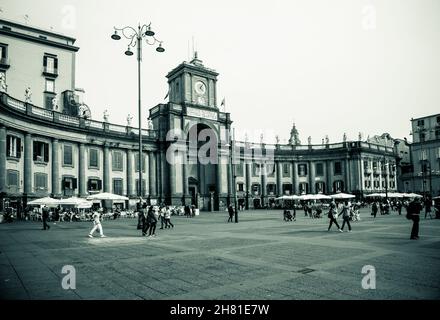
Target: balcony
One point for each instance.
(4, 64)
(50, 72)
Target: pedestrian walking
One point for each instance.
(144, 215)
(332, 215)
(96, 225)
(168, 222)
(231, 213)
(45, 217)
(399, 207)
(413, 213)
(187, 211)
(345, 216)
(162, 211)
(428, 206)
(374, 209)
(151, 221)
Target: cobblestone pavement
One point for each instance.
(261, 257)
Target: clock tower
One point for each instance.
(194, 84)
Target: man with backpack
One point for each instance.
(45, 217)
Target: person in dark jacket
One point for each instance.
(45, 217)
(332, 215)
(231, 213)
(144, 217)
(151, 221)
(414, 209)
(345, 216)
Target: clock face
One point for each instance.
(200, 87)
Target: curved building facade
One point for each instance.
(49, 145)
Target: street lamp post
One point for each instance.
(234, 184)
(136, 37)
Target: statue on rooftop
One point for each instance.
(28, 95)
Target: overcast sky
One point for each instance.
(331, 66)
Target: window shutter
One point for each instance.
(8, 146)
(46, 152)
(99, 184)
(18, 147)
(74, 183)
(55, 64)
(45, 61)
(88, 184)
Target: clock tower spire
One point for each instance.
(193, 83)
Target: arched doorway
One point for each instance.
(202, 166)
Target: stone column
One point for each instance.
(184, 181)
(172, 176)
(106, 169)
(152, 173)
(312, 175)
(28, 164)
(56, 186)
(347, 185)
(248, 182)
(263, 183)
(230, 179)
(82, 181)
(294, 177)
(329, 176)
(279, 174)
(130, 171)
(3, 159)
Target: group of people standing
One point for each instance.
(149, 216)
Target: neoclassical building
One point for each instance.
(50, 145)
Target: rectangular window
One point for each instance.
(256, 189)
(50, 85)
(70, 183)
(94, 185)
(12, 178)
(136, 162)
(50, 64)
(420, 123)
(286, 169)
(117, 161)
(366, 165)
(270, 169)
(303, 188)
(3, 51)
(239, 172)
(40, 181)
(319, 169)
(41, 151)
(422, 137)
(338, 168)
(240, 187)
(271, 188)
(118, 186)
(49, 101)
(67, 157)
(13, 146)
(93, 158)
(302, 169)
(437, 134)
(256, 169)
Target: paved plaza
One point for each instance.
(261, 257)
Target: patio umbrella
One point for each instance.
(322, 197)
(284, 197)
(48, 201)
(374, 195)
(342, 196)
(77, 202)
(412, 195)
(294, 197)
(107, 196)
(306, 197)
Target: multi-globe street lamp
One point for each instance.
(136, 37)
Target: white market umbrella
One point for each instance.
(48, 201)
(284, 197)
(307, 197)
(107, 196)
(342, 196)
(77, 202)
(294, 197)
(412, 195)
(374, 195)
(395, 195)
